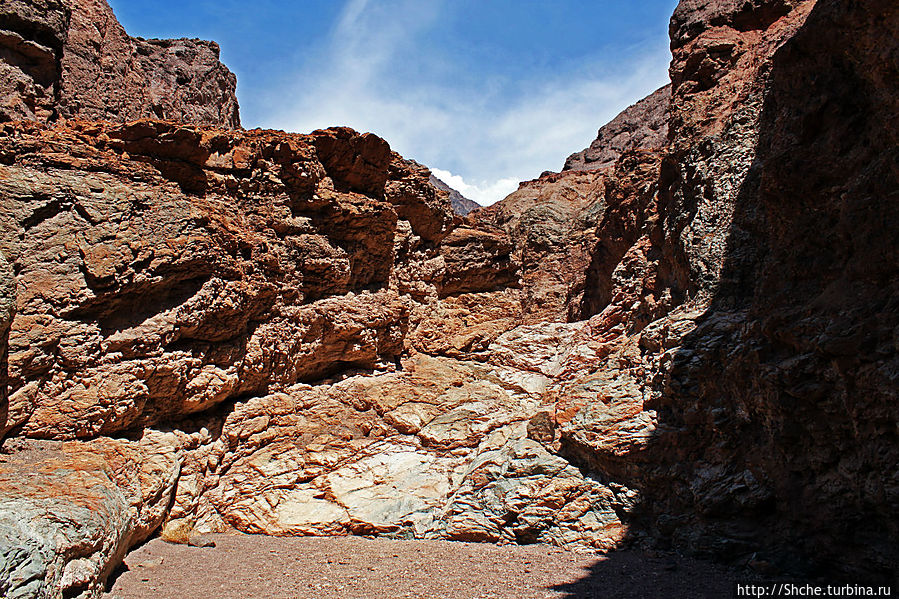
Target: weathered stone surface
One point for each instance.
(551, 223)
(336, 353)
(571, 230)
(477, 260)
(61, 59)
(417, 201)
(643, 126)
(166, 269)
(789, 360)
(726, 338)
(762, 400)
(437, 450)
(70, 511)
(32, 36)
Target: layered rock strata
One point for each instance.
(191, 267)
(70, 511)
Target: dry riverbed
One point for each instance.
(244, 566)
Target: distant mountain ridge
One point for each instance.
(461, 205)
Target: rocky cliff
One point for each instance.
(72, 58)
(779, 408)
(641, 126)
(730, 371)
(692, 345)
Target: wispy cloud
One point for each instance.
(485, 193)
(376, 74)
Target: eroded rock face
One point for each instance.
(437, 450)
(643, 126)
(759, 400)
(798, 336)
(729, 369)
(61, 59)
(461, 205)
(551, 222)
(32, 36)
(7, 310)
(669, 345)
(70, 511)
(191, 267)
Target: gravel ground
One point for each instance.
(243, 566)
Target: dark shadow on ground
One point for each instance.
(636, 574)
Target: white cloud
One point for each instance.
(376, 75)
(484, 193)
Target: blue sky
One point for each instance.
(485, 92)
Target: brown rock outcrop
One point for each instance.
(730, 370)
(32, 36)
(551, 222)
(788, 380)
(192, 267)
(61, 59)
(170, 273)
(572, 229)
(437, 450)
(757, 401)
(642, 126)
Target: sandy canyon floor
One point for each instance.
(243, 566)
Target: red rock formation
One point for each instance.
(551, 222)
(787, 383)
(71, 58)
(708, 328)
(196, 266)
(729, 369)
(32, 36)
(758, 402)
(70, 511)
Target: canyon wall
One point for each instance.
(780, 407)
(644, 125)
(739, 363)
(685, 339)
(461, 205)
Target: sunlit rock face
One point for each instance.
(644, 125)
(72, 58)
(688, 338)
